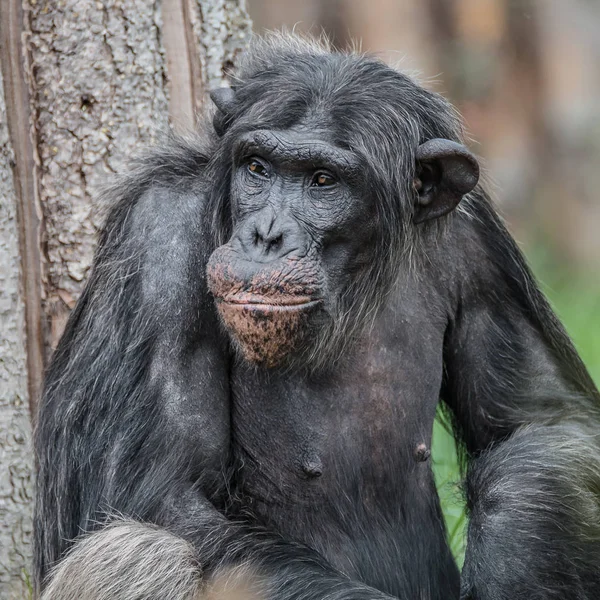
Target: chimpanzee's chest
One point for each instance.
(299, 440)
(369, 419)
(341, 462)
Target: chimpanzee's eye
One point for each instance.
(256, 167)
(323, 179)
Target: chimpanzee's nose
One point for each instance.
(269, 237)
(269, 241)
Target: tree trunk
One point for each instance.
(87, 84)
(15, 431)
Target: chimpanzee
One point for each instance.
(247, 387)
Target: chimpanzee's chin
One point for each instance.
(268, 334)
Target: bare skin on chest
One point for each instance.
(297, 443)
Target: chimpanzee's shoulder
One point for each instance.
(176, 166)
(175, 161)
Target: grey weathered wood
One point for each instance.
(222, 29)
(17, 102)
(183, 68)
(97, 71)
(15, 429)
(202, 39)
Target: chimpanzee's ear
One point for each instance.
(224, 100)
(446, 171)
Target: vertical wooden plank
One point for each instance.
(15, 430)
(19, 124)
(176, 36)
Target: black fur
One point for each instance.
(316, 479)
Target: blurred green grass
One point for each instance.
(575, 296)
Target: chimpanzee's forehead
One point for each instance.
(358, 103)
(297, 145)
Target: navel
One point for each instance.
(312, 466)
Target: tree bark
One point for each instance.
(96, 78)
(88, 84)
(15, 431)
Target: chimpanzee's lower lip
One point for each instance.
(264, 303)
(267, 307)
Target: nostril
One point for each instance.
(274, 243)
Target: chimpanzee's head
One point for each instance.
(330, 166)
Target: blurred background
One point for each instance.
(525, 74)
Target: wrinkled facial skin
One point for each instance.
(303, 227)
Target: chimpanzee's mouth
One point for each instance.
(270, 303)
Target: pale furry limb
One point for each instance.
(127, 561)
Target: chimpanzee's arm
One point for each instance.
(530, 417)
(134, 420)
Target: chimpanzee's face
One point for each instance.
(304, 226)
